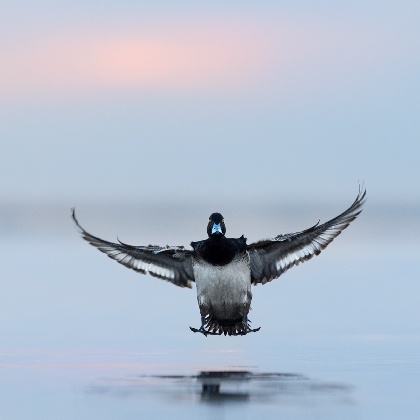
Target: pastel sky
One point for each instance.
(232, 99)
(148, 115)
(197, 53)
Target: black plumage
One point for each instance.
(219, 250)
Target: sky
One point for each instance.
(197, 101)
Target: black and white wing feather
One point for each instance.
(168, 263)
(271, 258)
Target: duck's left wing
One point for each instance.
(171, 263)
(271, 258)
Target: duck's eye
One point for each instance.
(223, 220)
(209, 220)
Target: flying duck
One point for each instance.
(225, 268)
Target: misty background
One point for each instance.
(149, 116)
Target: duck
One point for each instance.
(224, 269)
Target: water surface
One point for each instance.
(83, 337)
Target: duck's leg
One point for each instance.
(247, 327)
(203, 330)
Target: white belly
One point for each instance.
(223, 292)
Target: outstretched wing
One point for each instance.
(271, 258)
(169, 263)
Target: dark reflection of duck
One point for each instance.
(225, 268)
(211, 382)
(227, 387)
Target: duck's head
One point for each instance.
(216, 226)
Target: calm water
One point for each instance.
(334, 378)
(82, 337)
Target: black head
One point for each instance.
(216, 226)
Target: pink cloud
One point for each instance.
(200, 55)
(194, 60)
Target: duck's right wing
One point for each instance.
(173, 263)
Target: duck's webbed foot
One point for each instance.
(247, 327)
(203, 330)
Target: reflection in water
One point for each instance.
(219, 386)
(225, 387)
(211, 382)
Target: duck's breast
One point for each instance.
(224, 290)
